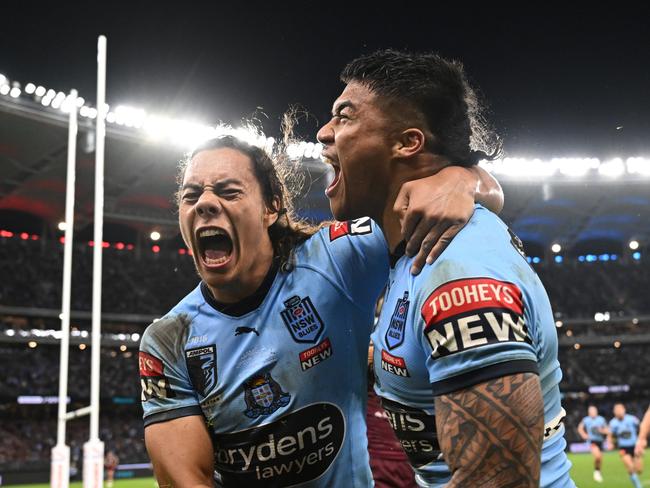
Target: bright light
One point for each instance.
(636, 255)
(575, 166)
(617, 344)
(612, 169)
(569, 333)
(82, 346)
(634, 245)
(3, 79)
(135, 337)
(559, 259)
(122, 348)
(155, 235)
(15, 92)
(10, 332)
(599, 317)
(30, 88)
(520, 167)
(61, 226)
(576, 346)
(80, 102)
(40, 91)
(639, 166)
(4, 89)
(558, 323)
(32, 344)
(556, 248)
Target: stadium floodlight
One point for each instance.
(521, 167)
(599, 317)
(135, 337)
(634, 245)
(30, 88)
(15, 92)
(575, 167)
(5, 89)
(639, 166)
(10, 332)
(82, 346)
(558, 323)
(556, 248)
(155, 235)
(40, 91)
(576, 346)
(51, 93)
(80, 102)
(32, 344)
(612, 169)
(61, 226)
(617, 344)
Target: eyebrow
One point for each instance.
(343, 105)
(217, 186)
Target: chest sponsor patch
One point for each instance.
(297, 448)
(315, 355)
(350, 228)
(263, 396)
(394, 364)
(153, 381)
(397, 326)
(473, 312)
(416, 432)
(202, 367)
(302, 320)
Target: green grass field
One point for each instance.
(582, 472)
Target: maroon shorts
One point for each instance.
(392, 474)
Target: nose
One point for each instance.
(326, 134)
(208, 205)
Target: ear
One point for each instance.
(272, 213)
(409, 142)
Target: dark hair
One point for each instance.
(438, 90)
(271, 171)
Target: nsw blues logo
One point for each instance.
(263, 396)
(396, 328)
(302, 319)
(202, 367)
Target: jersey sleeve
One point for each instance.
(167, 391)
(474, 326)
(360, 257)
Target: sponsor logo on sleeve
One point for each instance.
(263, 396)
(152, 379)
(394, 364)
(202, 368)
(297, 448)
(315, 355)
(473, 312)
(302, 319)
(350, 228)
(397, 326)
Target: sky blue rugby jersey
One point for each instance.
(282, 385)
(479, 312)
(625, 430)
(593, 427)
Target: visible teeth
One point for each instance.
(212, 262)
(211, 232)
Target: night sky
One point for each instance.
(559, 81)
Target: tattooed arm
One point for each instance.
(491, 433)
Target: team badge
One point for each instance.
(302, 319)
(356, 227)
(397, 326)
(202, 367)
(263, 396)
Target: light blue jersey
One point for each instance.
(624, 430)
(593, 426)
(478, 313)
(281, 379)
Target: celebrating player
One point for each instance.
(270, 349)
(593, 429)
(623, 434)
(474, 333)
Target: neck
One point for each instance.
(423, 166)
(247, 282)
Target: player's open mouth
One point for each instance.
(330, 190)
(215, 246)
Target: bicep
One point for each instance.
(181, 452)
(491, 433)
(489, 192)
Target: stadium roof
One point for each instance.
(565, 201)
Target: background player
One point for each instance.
(593, 429)
(623, 434)
(110, 463)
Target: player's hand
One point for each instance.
(641, 444)
(433, 210)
